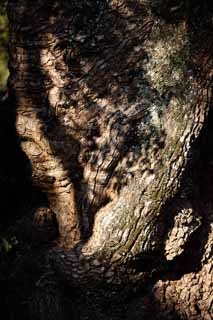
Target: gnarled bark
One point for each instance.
(109, 100)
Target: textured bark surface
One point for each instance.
(109, 100)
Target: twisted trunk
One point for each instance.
(109, 101)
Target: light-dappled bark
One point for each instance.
(110, 97)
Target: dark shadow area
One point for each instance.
(18, 198)
(15, 172)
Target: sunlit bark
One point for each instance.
(110, 99)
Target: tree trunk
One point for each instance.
(110, 99)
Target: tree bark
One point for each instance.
(110, 99)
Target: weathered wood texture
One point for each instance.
(109, 101)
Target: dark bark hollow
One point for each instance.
(109, 101)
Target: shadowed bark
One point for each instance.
(110, 98)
